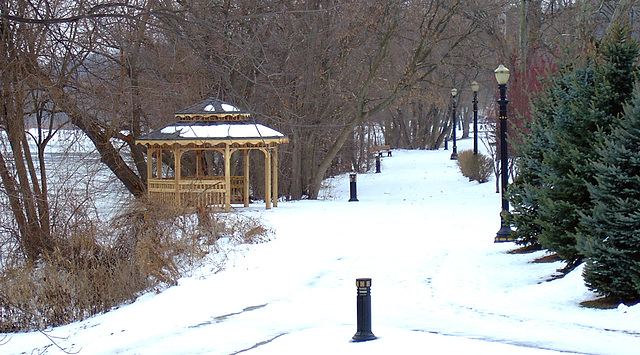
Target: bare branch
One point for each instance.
(95, 12)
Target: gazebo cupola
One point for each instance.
(203, 128)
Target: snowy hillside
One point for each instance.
(420, 230)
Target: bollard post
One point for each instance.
(363, 307)
(377, 163)
(352, 188)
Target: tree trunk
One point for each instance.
(36, 238)
(101, 139)
(296, 170)
(333, 151)
(524, 36)
(11, 188)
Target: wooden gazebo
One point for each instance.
(211, 125)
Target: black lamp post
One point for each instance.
(502, 76)
(474, 87)
(454, 154)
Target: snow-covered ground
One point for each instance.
(420, 230)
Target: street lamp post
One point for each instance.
(454, 153)
(474, 87)
(502, 76)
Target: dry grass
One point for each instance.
(550, 258)
(94, 269)
(601, 303)
(525, 249)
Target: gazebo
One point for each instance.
(202, 129)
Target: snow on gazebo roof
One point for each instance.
(213, 121)
(212, 109)
(214, 130)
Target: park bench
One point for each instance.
(378, 150)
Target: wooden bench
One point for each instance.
(378, 150)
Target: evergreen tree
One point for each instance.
(612, 245)
(571, 137)
(540, 163)
(573, 116)
(523, 193)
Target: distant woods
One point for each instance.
(336, 76)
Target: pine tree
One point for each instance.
(573, 116)
(523, 193)
(571, 135)
(612, 245)
(541, 162)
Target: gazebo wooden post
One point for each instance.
(245, 182)
(275, 176)
(159, 163)
(227, 178)
(177, 154)
(267, 177)
(150, 152)
(199, 163)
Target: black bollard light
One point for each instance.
(377, 163)
(364, 311)
(352, 188)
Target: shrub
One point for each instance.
(94, 269)
(477, 167)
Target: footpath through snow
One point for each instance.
(421, 231)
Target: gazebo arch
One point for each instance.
(210, 125)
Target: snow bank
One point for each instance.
(420, 230)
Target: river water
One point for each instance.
(77, 181)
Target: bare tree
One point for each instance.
(427, 39)
(24, 185)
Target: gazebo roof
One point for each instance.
(212, 122)
(212, 109)
(213, 131)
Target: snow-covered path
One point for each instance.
(420, 230)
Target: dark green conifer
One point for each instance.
(574, 114)
(523, 193)
(611, 241)
(540, 211)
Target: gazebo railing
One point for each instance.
(209, 191)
